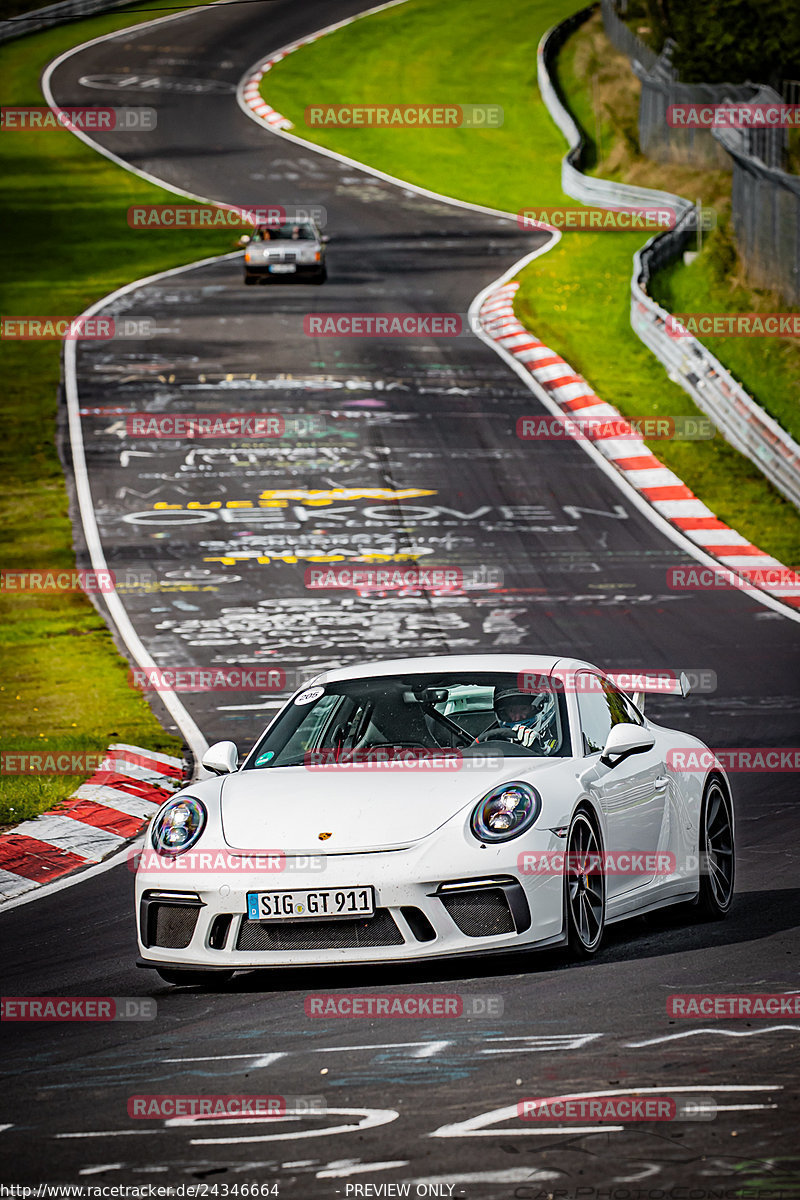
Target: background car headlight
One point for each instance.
(179, 825)
(506, 812)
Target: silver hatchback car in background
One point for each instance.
(289, 250)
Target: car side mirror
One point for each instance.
(325, 238)
(222, 758)
(626, 739)
(244, 240)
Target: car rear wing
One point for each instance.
(663, 683)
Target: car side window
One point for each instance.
(595, 713)
(622, 708)
(601, 706)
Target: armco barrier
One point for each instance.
(54, 14)
(740, 420)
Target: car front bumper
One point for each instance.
(472, 902)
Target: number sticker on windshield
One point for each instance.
(310, 695)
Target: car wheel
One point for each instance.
(250, 279)
(717, 853)
(584, 888)
(323, 275)
(193, 978)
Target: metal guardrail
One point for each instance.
(737, 416)
(54, 14)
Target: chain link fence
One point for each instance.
(765, 199)
(740, 420)
(765, 205)
(662, 88)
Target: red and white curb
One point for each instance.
(251, 85)
(105, 813)
(252, 97)
(661, 487)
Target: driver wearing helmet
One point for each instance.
(528, 715)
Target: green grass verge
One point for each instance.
(576, 298)
(62, 683)
(768, 368)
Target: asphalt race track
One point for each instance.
(556, 558)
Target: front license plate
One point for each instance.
(297, 906)
(282, 268)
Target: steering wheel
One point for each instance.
(501, 735)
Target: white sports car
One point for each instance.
(428, 807)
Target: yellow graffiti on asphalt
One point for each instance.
(281, 497)
(230, 560)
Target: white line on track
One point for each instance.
(673, 1037)
(351, 1166)
(259, 1060)
(370, 1118)
(426, 1049)
(483, 1125)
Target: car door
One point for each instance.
(633, 795)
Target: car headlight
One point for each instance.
(506, 812)
(178, 826)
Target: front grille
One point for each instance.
(171, 925)
(481, 913)
(379, 930)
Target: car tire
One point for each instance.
(250, 279)
(717, 854)
(323, 275)
(193, 978)
(584, 890)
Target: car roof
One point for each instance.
(514, 663)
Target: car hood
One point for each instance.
(287, 808)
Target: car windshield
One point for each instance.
(472, 713)
(277, 233)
